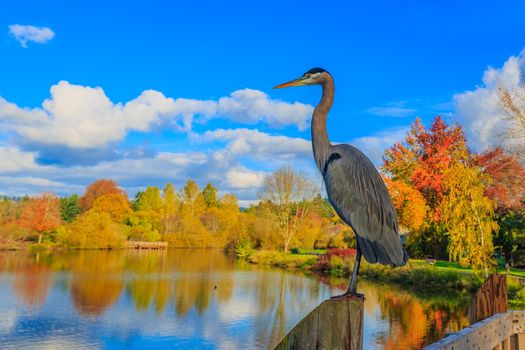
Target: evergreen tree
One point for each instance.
(69, 207)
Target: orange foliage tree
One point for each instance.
(41, 214)
(115, 204)
(410, 204)
(507, 188)
(97, 189)
(435, 185)
(424, 157)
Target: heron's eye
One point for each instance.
(307, 75)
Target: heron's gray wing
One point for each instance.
(359, 195)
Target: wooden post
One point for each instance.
(490, 298)
(334, 324)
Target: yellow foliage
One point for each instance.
(114, 204)
(468, 216)
(94, 229)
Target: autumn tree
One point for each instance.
(41, 214)
(171, 209)
(150, 200)
(11, 232)
(468, 217)
(432, 171)
(193, 203)
(97, 189)
(410, 204)
(116, 205)
(94, 229)
(209, 194)
(512, 102)
(507, 187)
(287, 196)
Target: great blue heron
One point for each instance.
(354, 187)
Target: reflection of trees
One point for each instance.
(282, 298)
(202, 274)
(415, 322)
(149, 281)
(32, 280)
(96, 281)
(188, 277)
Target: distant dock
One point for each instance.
(147, 245)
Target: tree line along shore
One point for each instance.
(453, 205)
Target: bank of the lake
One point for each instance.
(417, 275)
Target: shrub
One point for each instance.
(243, 249)
(333, 260)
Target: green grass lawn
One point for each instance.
(451, 266)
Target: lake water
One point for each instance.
(189, 299)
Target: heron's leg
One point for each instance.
(352, 288)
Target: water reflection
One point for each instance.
(190, 299)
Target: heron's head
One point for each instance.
(314, 76)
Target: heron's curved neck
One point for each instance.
(320, 142)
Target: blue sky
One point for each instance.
(157, 91)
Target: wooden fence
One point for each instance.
(492, 326)
(502, 331)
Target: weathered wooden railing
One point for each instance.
(147, 245)
(492, 326)
(502, 331)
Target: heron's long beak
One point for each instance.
(297, 82)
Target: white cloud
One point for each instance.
(25, 33)
(240, 177)
(251, 106)
(395, 109)
(14, 160)
(81, 117)
(374, 145)
(260, 145)
(478, 111)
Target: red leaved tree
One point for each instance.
(97, 189)
(507, 188)
(41, 214)
(438, 148)
(424, 158)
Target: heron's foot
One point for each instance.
(348, 296)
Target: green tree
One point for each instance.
(510, 238)
(135, 202)
(69, 207)
(150, 200)
(210, 196)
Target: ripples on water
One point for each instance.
(188, 299)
